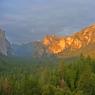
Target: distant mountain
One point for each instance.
(22, 50)
(80, 42)
(34, 49)
(4, 44)
(60, 46)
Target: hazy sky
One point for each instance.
(28, 20)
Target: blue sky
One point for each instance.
(29, 20)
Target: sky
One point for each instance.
(28, 20)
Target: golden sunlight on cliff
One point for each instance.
(57, 44)
(77, 44)
(69, 40)
(58, 47)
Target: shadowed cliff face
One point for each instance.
(4, 44)
(76, 41)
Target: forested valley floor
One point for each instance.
(20, 76)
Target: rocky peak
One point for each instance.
(87, 34)
(57, 44)
(4, 44)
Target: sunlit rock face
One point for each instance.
(57, 44)
(87, 35)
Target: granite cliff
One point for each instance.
(59, 44)
(4, 44)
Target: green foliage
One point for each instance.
(20, 76)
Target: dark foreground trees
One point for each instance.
(77, 78)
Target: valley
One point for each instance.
(55, 65)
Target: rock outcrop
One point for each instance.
(57, 44)
(4, 44)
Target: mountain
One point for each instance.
(80, 42)
(60, 46)
(4, 44)
(21, 50)
(35, 49)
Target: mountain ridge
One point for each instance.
(59, 46)
(78, 40)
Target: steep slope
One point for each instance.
(4, 44)
(60, 46)
(71, 45)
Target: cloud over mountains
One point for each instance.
(27, 20)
